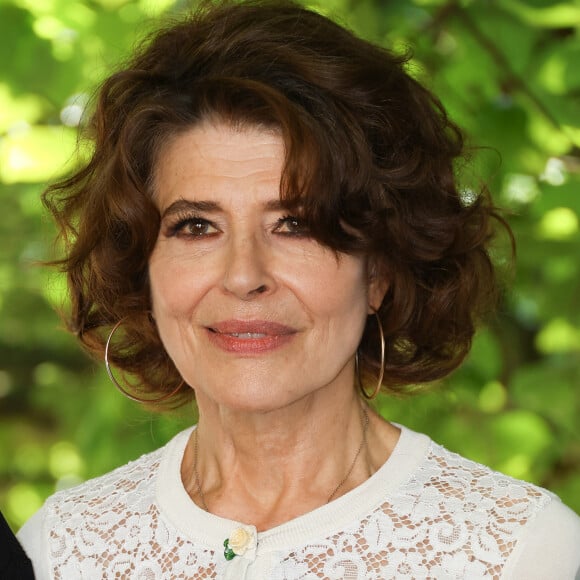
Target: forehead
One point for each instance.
(214, 154)
(214, 159)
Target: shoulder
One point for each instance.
(107, 496)
(455, 476)
(77, 523)
(126, 485)
(132, 484)
(462, 486)
(75, 527)
(549, 547)
(476, 521)
(476, 493)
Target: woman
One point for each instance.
(270, 223)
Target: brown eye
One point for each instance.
(291, 225)
(193, 227)
(197, 227)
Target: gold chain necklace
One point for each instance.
(358, 451)
(334, 492)
(196, 474)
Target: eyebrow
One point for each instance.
(207, 206)
(183, 205)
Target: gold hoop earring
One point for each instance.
(118, 385)
(379, 384)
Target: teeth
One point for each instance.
(247, 335)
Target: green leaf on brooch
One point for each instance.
(228, 552)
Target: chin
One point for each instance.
(251, 397)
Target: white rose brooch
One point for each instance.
(238, 543)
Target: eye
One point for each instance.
(292, 226)
(195, 227)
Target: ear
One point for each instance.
(378, 284)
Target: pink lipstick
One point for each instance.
(249, 336)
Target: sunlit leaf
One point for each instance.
(536, 13)
(520, 437)
(558, 336)
(64, 459)
(22, 501)
(22, 110)
(36, 154)
(559, 223)
(493, 397)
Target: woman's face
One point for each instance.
(254, 312)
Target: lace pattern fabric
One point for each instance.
(111, 528)
(453, 519)
(450, 519)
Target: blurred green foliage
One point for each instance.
(507, 70)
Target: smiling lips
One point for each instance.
(249, 337)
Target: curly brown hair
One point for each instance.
(370, 156)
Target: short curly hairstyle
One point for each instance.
(370, 158)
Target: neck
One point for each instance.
(267, 468)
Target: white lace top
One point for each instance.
(427, 513)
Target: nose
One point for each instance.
(248, 268)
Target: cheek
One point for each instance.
(334, 289)
(169, 287)
(157, 277)
(171, 305)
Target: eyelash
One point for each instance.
(302, 230)
(177, 228)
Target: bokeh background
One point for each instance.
(508, 72)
